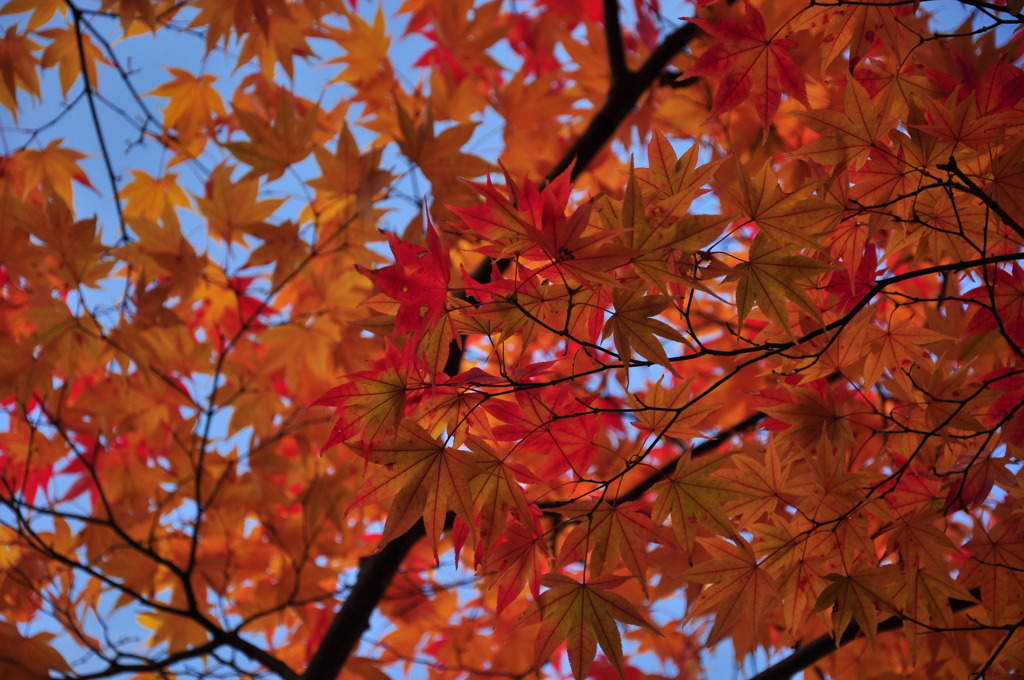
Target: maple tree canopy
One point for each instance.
(539, 338)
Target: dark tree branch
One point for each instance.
(622, 98)
(613, 38)
(353, 619)
(804, 657)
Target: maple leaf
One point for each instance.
(1002, 304)
(62, 51)
(519, 559)
(372, 403)
(853, 30)
(438, 155)
(418, 280)
(764, 483)
(500, 220)
(671, 412)
(176, 632)
(753, 64)
(995, 562)
(896, 345)
(273, 147)
(348, 177)
(148, 197)
(960, 124)
(858, 596)
(769, 278)
(925, 598)
(422, 478)
(692, 495)
(652, 221)
(131, 10)
(498, 491)
(55, 166)
(578, 253)
(537, 422)
(794, 219)
(851, 135)
(582, 614)
(282, 38)
(454, 407)
(28, 658)
(42, 11)
(163, 247)
(523, 305)
(194, 107)
(462, 38)
(17, 68)
(672, 182)
(232, 207)
(633, 327)
(610, 532)
(741, 589)
(366, 46)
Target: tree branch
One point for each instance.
(972, 188)
(622, 97)
(704, 448)
(353, 619)
(76, 13)
(804, 657)
(613, 39)
(116, 668)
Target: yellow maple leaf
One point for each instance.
(146, 196)
(194, 104)
(63, 51)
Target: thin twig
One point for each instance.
(89, 95)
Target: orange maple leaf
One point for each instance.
(861, 596)
(607, 533)
(741, 589)
(769, 277)
(851, 135)
(17, 68)
(582, 614)
(274, 146)
(421, 478)
(63, 52)
(694, 496)
(55, 166)
(371, 403)
(633, 327)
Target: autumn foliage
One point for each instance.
(545, 338)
